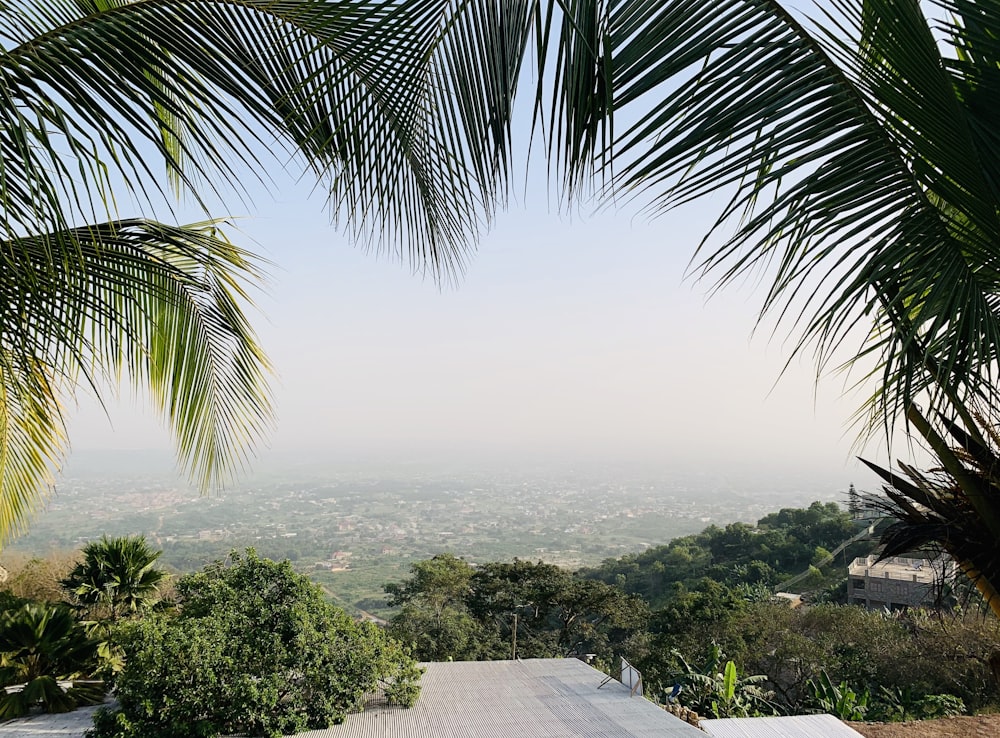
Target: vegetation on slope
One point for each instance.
(693, 605)
(696, 614)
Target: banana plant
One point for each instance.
(722, 693)
(839, 700)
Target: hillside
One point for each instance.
(781, 545)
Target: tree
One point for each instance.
(434, 617)
(452, 611)
(539, 610)
(857, 159)
(116, 577)
(256, 650)
(781, 546)
(99, 95)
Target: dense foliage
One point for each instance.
(711, 595)
(116, 578)
(712, 625)
(44, 650)
(781, 545)
(256, 649)
(451, 610)
(909, 664)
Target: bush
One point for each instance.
(256, 649)
(116, 578)
(45, 651)
(917, 654)
(37, 579)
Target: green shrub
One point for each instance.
(256, 649)
(116, 578)
(920, 654)
(838, 700)
(45, 650)
(941, 705)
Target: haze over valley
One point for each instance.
(354, 525)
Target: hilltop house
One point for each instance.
(896, 583)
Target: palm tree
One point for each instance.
(936, 507)
(855, 156)
(96, 97)
(117, 577)
(42, 648)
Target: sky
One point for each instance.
(569, 338)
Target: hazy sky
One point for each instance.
(575, 338)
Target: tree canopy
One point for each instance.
(256, 649)
(780, 546)
(454, 611)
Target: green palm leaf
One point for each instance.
(116, 578)
(858, 158)
(100, 98)
(216, 88)
(161, 304)
(832, 148)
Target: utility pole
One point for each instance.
(513, 645)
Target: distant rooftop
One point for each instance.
(922, 571)
(533, 698)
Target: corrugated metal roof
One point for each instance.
(533, 698)
(796, 726)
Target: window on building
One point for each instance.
(858, 583)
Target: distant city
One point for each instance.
(352, 529)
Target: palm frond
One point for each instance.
(32, 439)
(218, 89)
(952, 509)
(859, 159)
(860, 164)
(161, 304)
(92, 94)
(476, 68)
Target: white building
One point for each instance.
(896, 583)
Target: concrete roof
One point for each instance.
(61, 725)
(902, 569)
(543, 698)
(796, 726)
(534, 698)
